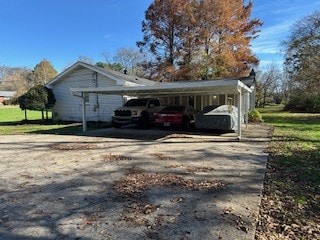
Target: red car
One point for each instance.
(176, 115)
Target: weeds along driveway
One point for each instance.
(131, 184)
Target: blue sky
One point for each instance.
(63, 30)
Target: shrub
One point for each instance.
(304, 103)
(255, 116)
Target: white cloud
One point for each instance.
(270, 38)
(265, 63)
(276, 30)
(297, 8)
(279, 16)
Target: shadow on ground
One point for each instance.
(86, 206)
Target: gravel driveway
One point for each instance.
(132, 184)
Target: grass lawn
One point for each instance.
(290, 206)
(15, 114)
(12, 122)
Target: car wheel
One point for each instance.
(144, 120)
(116, 125)
(186, 123)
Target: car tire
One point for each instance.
(186, 123)
(144, 120)
(116, 125)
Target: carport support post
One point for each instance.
(246, 108)
(239, 112)
(84, 117)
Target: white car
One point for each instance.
(138, 111)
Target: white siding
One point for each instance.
(69, 107)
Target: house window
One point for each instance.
(164, 101)
(222, 99)
(191, 101)
(198, 102)
(206, 100)
(184, 100)
(176, 100)
(170, 101)
(215, 99)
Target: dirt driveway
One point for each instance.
(131, 184)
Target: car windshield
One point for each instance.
(173, 109)
(136, 102)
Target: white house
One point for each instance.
(68, 106)
(103, 90)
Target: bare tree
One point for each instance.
(302, 54)
(14, 79)
(86, 59)
(129, 58)
(269, 83)
(107, 57)
(286, 87)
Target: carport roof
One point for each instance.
(172, 88)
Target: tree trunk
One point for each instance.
(25, 115)
(42, 113)
(264, 100)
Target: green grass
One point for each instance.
(293, 174)
(12, 121)
(15, 114)
(296, 144)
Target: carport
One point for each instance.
(162, 89)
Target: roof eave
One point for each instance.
(75, 66)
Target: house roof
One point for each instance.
(172, 88)
(119, 78)
(8, 94)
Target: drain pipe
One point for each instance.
(84, 113)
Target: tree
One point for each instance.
(113, 66)
(23, 103)
(109, 64)
(51, 100)
(161, 34)
(268, 84)
(37, 98)
(129, 58)
(302, 49)
(86, 59)
(224, 31)
(42, 73)
(14, 79)
(286, 87)
(200, 38)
